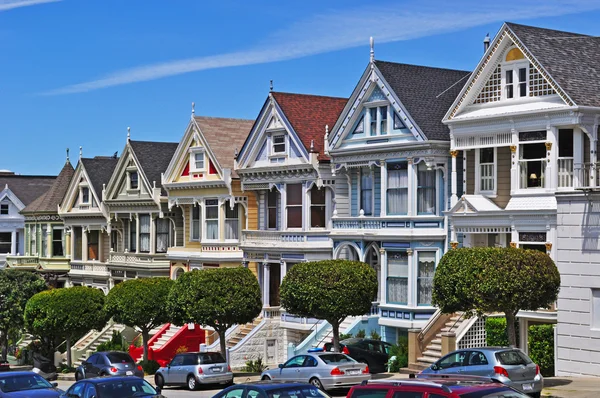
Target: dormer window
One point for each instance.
(378, 120)
(197, 160)
(4, 209)
(133, 180)
(85, 195)
(278, 146)
(515, 69)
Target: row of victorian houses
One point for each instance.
(417, 161)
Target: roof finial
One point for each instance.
(193, 109)
(312, 146)
(80, 152)
(235, 153)
(67, 154)
(486, 42)
(271, 86)
(372, 43)
(128, 133)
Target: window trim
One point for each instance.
(514, 66)
(199, 238)
(388, 277)
(493, 193)
(129, 180)
(4, 206)
(387, 189)
(520, 160)
(62, 240)
(360, 190)
(277, 195)
(323, 205)
(285, 144)
(238, 207)
(416, 253)
(192, 163)
(89, 195)
(378, 105)
(205, 220)
(435, 187)
(301, 206)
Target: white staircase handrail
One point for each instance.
(313, 337)
(215, 344)
(464, 327)
(432, 319)
(77, 352)
(247, 337)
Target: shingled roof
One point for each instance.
(309, 114)
(154, 158)
(99, 169)
(225, 136)
(425, 92)
(26, 188)
(571, 59)
(49, 201)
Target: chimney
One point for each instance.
(486, 43)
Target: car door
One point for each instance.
(175, 372)
(452, 363)
(90, 391)
(307, 369)
(477, 364)
(380, 356)
(76, 390)
(291, 369)
(90, 367)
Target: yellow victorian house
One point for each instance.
(201, 181)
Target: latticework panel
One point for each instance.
(475, 337)
(538, 86)
(491, 92)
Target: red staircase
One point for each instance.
(184, 338)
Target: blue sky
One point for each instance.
(79, 72)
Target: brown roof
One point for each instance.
(225, 137)
(26, 188)
(49, 201)
(309, 114)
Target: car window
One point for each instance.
(302, 391)
(119, 357)
(477, 358)
(90, 392)
(369, 393)
(386, 348)
(76, 390)
(499, 392)
(375, 346)
(453, 360)
(210, 358)
(191, 359)
(514, 357)
(295, 362)
(177, 361)
(254, 393)
(93, 359)
(336, 358)
(235, 393)
(124, 388)
(408, 394)
(23, 382)
(310, 362)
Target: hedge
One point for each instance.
(496, 333)
(541, 347)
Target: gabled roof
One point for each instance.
(225, 136)
(26, 188)
(99, 169)
(309, 114)
(571, 59)
(49, 201)
(425, 92)
(474, 204)
(154, 158)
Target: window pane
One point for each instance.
(383, 116)
(279, 144)
(373, 112)
(4, 208)
(426, 200)
(5, 242)
(317, 196)
(317, 216)
(294, 194)
(294, 217)
(533, 151)
(522, 75)
(272, 209)
(229, 212)
(509, 76)
(509, 91)
(133, 180)
(366, 187)
(397, 192)
(425, 277)
(212, 229)
(272, 218)
(132, 236)
(565, 143)
(486, 155)
(212, 212)
(199, 160)
(85, 195)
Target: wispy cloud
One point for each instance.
(338, 30)
(6, 5)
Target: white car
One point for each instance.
(194, 368)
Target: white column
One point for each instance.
(514, 235)
(412, 280)
(73, 236)
(383, 280)
(578, 169)
(13, 242)
(49, 240)
(454, 197)
(283, 204)
(84, 244)
(266, 284)
(153, 233)
(593, 159)
(551, 180)
(383, 183)
(412, 187)
(514, 169)
(306, 206)
(137, 233)
(282, 271)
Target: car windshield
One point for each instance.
(133, 387)
(119, 357)
(10, 383)
(297, 392)
(211, 357)
(336, 358)
(514, 357)
(499, 392)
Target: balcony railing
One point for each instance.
(22, 261)
(157, 260)
(89, 268)
(271, 312)
(374, 223)
(565, 173)
(286, 239)
(587, 175)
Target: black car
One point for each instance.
(374, 353)
(112, 387)
(272, 389)
(26, 385)
(109, 363)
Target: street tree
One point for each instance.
(139, 303)
(65, 314)
(331, 290)
(480, 280)
(16, 287)
(219, 298)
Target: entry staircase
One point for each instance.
(322, 333)
(234, 335)
(156, 344)
(26, 339)
(88, 344)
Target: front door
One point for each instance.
(274, 283)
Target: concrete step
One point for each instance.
(434, 348)
(427, 359)
(432, 354)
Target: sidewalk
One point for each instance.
(571, 387)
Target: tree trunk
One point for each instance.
(145, 338)
(510, 328)
(335, 328)
(69, 364)
(4, 345)
(222, 342)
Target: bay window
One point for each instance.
(93, 238)
(211, 217)
(426, 189)
(272, 208)
(163, 227)
(195, 223)
(397, 188)
(294, 205)
(317, 207)
(57, 242)
(145, 233)
(425, 271)
(132, 236)
(532, 159)
(397, 277)
(232, 221)
(486, 170)
(366, 191)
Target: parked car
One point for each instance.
(112, 387)
(110, 363)
(193, 368)
(511, 366)
(460, 387)
(374, 353)
(27, 384)
(325, 370)
(272, 389)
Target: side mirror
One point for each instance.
(54, 385)
(434, 367)
(280, 366)
(158, 389)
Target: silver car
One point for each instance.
(325, 370)
(511, 366)
(194, 368)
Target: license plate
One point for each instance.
(129, 373)
(353, 372)
(527, 387)
(216, 369)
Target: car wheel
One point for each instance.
(266, 378)
(78, 376)
(192, 384)
(159, 381)
(317, 383)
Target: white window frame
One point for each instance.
(514, 67)
(4, 206)
(285, 144)
(415, 265)
(368, 119)
(360, 204)
(478, 164)
(301, 206)
(520, 161)
(193, 153)
(89, 201)
(129, 187)
(199, 238)
(204, 220)
(239, 224)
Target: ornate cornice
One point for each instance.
(377, 157)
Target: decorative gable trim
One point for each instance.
(6, 193)
(80, 177)
(371, 80)
(484, 71)
(119, 174)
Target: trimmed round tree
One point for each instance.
(65, 314)
(140, 304)
(16, 287)
(331, 290)
(219, 298)
(478, 280)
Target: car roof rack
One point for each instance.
(408, 382)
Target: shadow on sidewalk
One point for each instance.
(556, 382)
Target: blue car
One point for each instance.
(26, 385)
(272, 389)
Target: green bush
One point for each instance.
(256, 366)
(400, 352)
(375, 335)
(361, 334)
(64, 368)
(541, 348)
(116, 343)
(150, 366)
(344, 336)
(497, 335)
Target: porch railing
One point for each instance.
(389, 222)
(285, 237)
(89, 268)
(587, 175)
(565, 173)
(22, 261)
(137, 258)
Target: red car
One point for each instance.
(450, 387)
